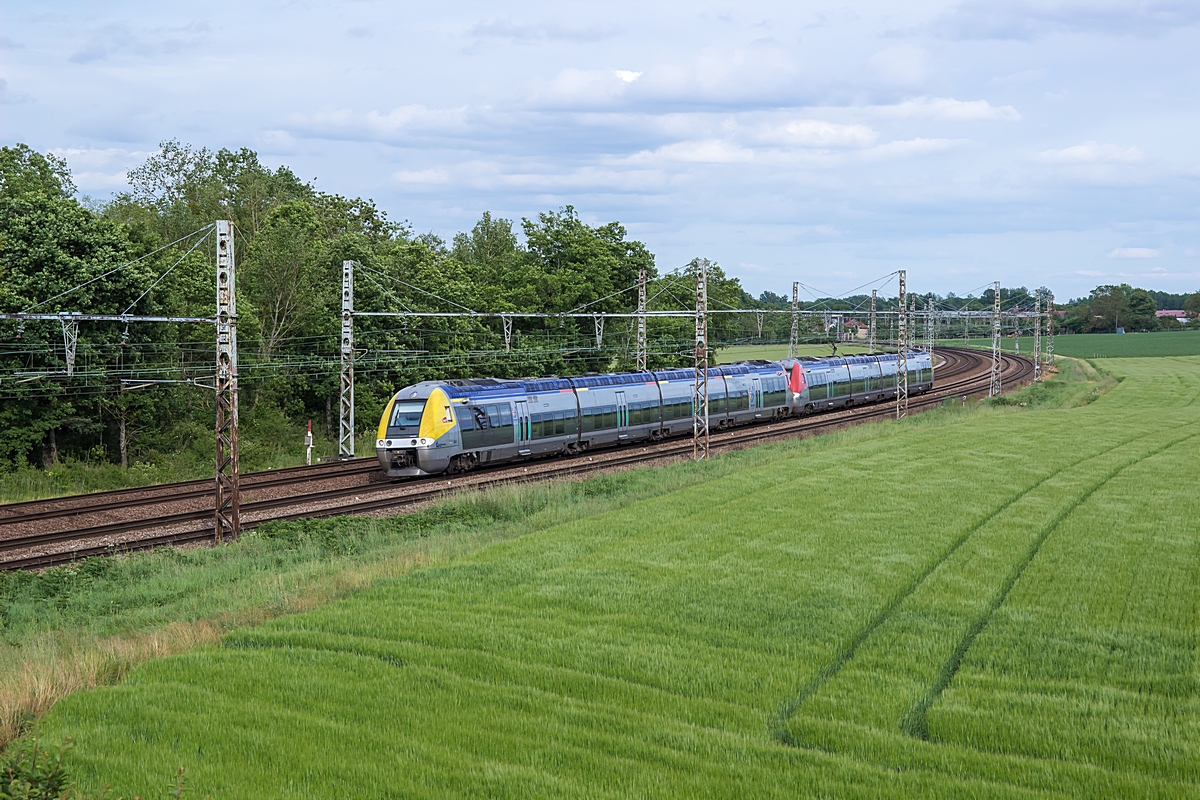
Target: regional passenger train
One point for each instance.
(457, 425)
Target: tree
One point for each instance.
(50, 245)
(1192, 305)
(1141, 311)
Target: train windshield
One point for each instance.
(406, 415)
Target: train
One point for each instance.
(452, 426)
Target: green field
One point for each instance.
(974, 603)
(774, 352)
(1104, 345)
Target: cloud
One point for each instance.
(1135, 252)
(119, 39)
(708, 151)
(1032, 19)
(7, 43)
(947, 108)
(1093, 153)
(1091, 273)
(523, 33)
(402, 124)
(912, 147)
(424, 176)
(817, 133)
(901, 65)
(584, 88)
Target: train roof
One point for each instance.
(460, 388)
(493, 387)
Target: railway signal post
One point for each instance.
(994, 385)
(902, 350)
(700, 393)
(346, 385)
(227, 523)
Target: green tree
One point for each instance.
(1192, 305)
(52, 251)
(1141, 311)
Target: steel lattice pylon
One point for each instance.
(994, 385)
(871, 327)
(227, 524)
(640, 357)
(70, 329)
(700, 392)
(1037, 336)
(794, 342)
(902, 350)
(346, 392)
(1050, 328)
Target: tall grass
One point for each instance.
(1022, 576)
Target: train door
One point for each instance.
(756, 396)
(523, 428)
(622, 416)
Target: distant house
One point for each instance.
(859, 329)
(1177, 313)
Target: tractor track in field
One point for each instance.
(46, 533)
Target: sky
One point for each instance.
(1035, 143)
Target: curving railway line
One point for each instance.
(45, 533)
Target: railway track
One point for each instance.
(962, 373)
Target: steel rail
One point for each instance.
(956, 363)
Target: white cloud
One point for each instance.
(526, 33)
(707, 151)
(1032, 19)
(947, 108)
(818, 133)
(901, 65)
(573, 88)
(912, 147)
(424, 176)
(1135, 252)
(1093, 153)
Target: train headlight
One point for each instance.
(379, 443)
(414, 441)
(424, 441)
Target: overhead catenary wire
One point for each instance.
(199, 242)
(118, 268)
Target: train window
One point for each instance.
(493, 414)
(588, 424)
(559, 423)
(466, 422)
(535, 425)
(610, 416)
(506, 415)
(406, 415)
(572, 422)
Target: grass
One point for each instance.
(774, 352)
(1019, 619)
(1156, 344)
(73, 476)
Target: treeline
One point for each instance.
(150, 251)
(1111, 306)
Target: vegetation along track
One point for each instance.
(48, 533)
